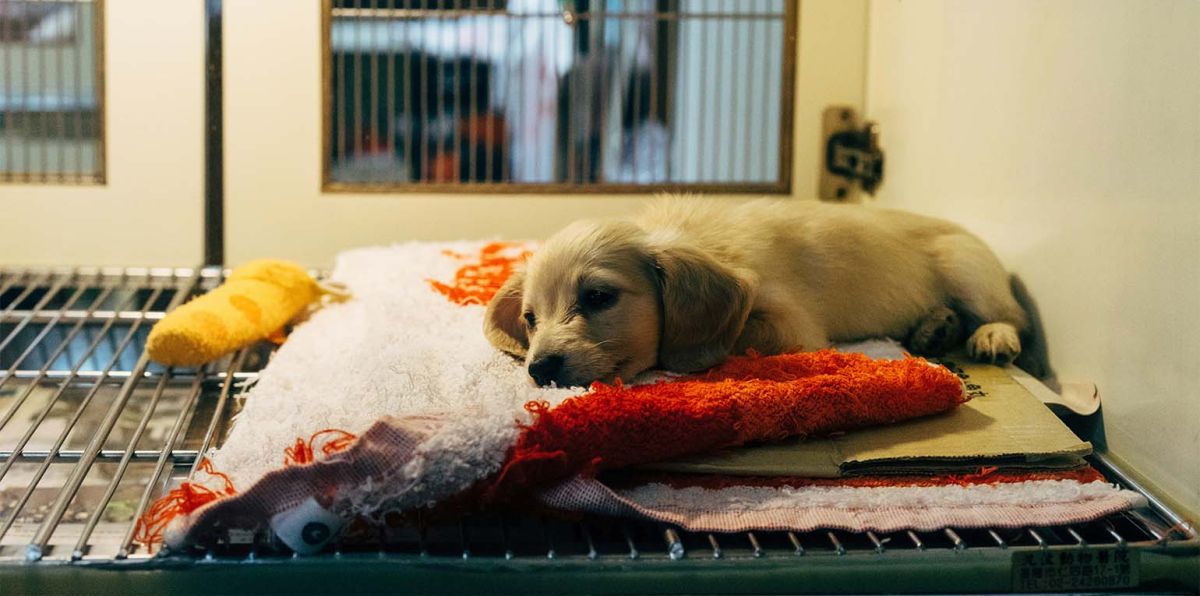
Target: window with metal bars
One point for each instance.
(51, 91)
(558, 95)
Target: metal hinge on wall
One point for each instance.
(853, 160)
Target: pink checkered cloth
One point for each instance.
(850, 508)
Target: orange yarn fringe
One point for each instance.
(478, 282)
(335, 441)
(191, 496)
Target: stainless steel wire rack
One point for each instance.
(91, 432)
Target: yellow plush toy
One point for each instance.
(254, 303)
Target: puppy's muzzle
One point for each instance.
(547, 369)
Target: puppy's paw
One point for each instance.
(935, 334)
(997, 343)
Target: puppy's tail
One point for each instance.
(1035, 353)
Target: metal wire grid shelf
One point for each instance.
(91, 432)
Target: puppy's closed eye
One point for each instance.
(597, 299)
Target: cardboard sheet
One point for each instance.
(1003, 425)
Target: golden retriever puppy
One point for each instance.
(690, 281)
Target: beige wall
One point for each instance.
(1067, 134)
(272, 111)
(150, 210)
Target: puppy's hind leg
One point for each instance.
(998, 343)
(937, 333)
(978, 285)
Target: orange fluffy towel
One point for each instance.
(744, 400)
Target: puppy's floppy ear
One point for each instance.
(704, 307)
(502, 322)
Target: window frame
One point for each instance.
(100, 176)
(782, 186)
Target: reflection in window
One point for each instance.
(558, 94)
(50, 89)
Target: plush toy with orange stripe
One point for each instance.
(254, 303)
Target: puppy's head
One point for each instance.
(602, 301)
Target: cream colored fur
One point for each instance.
(695, 280)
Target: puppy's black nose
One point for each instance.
(545, 369)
